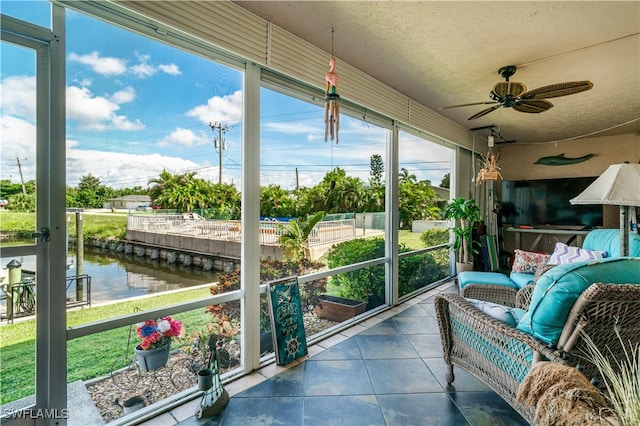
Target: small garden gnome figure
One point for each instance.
(332, 105)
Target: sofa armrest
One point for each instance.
(494, 293)
(499, 355)
(523, 297)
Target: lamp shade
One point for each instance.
(619, 185)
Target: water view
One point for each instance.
(119, 276)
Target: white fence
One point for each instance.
(328, 232)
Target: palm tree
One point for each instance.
(406, 177)
(294, 238)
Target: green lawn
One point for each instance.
(17, 342)
(93, 225)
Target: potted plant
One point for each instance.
(464, 212)
(155, 335)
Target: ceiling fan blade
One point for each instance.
(532, 106)
(463, 105)
(509, 88)
(484, 112)
(558, 89)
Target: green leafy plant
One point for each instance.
(368, 284)
(465, 212)
(295, 236)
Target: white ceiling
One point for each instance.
(448, 53)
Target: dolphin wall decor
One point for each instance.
(561, 160)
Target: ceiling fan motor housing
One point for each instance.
(507, 71)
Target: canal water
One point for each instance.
(115, 276)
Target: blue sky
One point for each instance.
(136, 106)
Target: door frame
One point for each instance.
(50, 244)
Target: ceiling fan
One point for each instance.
(513, 94)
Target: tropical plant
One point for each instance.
(465, 213)
(294, 237)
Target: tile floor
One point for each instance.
(387, 370)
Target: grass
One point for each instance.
(106, 351)
(621, 375)
(102, 226)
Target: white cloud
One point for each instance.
(170, 69)
(225, 109)
(96, 112)
(18, 141)
(185, 138)
(143, 70)
(124, 96)
(19, 96)
(119, 170)
(105, 66)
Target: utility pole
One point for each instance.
(24, 189)
(219, 143)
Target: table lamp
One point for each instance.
(618, 185)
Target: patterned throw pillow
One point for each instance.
(568, 254)
(527, 262)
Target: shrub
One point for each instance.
(368, 284)
(434, 237)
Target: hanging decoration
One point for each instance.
(332, 100)
(489, 169)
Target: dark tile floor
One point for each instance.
(389, 373)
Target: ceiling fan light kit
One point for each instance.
(514, 95)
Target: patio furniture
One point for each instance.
(499, 288)
(569, 300)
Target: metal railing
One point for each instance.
(326, 232)
(20, 298)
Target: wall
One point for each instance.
(517, 161)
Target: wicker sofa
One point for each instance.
(500, 288)
(501, 355)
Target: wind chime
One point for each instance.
(332, 100)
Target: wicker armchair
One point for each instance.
(500, 294)
(501, 356)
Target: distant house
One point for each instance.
(129, 202)
(442, 193)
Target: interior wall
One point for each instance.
(517, 162)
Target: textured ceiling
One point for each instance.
(448, 53)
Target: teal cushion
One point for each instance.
(559, 288)
(497, 278)
(609, 241)
(521, 279)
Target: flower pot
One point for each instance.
(338, 309)
(152, 359)
(463, 267)
(132, 404)
(205, 379)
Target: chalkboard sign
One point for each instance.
(287, 326)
